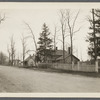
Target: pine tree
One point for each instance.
(45, 44)
(94, 37)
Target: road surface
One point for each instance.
(20, 80)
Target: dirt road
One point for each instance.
(20, 80)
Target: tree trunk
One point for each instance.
(71, 50)
(9, 58)
(63, 49)
(12, 60)
(23, 55)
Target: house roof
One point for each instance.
(60, 58)
(28, 58)
(59, 52)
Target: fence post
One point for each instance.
(72, 65)
(78, 66)
(54, 64)
(96, 66)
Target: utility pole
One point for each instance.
(95, 47)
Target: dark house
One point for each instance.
(57, 56)
(68, 59)
(30, 61)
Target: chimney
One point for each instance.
(69, 50)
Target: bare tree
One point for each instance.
(9, 53)
(23, 40)
(63, 30)
(33, 37)
(55, 38)
(32, 34)
(71, 27)
(2, 18)
(12, 44)
(2, 56)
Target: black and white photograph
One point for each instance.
(49, 48)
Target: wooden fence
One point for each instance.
(71, 67)
(77, 67)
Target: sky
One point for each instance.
(36, 15)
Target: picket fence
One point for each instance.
(77, 67)
(72, 67)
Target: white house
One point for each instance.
(30, 61)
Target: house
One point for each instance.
(68, 59)
(30, 61)
(57, 56)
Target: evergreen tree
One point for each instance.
(45, 46)
(94, 36)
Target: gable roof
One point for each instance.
(60, 58)
(28, 58)
(59, 52)
(73, 56)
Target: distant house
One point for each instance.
(57, 56)
(30, 61)
(67, 59)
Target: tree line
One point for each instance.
(46, 44)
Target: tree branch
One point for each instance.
(60, 40)
(68, 21)
(2, 18)
(66, 36)
(77, 30)
(32, 34)
(75, 21)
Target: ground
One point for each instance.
(21, 80)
